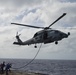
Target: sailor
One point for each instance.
(2, 67)
(7, 68)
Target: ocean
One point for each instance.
(48, 67)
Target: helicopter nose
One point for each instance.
(65, 35)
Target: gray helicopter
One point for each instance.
(47, 35)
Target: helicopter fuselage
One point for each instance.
(48, 36)
(44, 36)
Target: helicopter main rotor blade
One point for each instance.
(57, 19)
(27, 25)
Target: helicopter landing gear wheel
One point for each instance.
(35, 46)
(56, 42)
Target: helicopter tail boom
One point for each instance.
(17, 43)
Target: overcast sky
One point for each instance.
(38, 13)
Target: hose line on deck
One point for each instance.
(29, 61)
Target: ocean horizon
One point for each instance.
(45, 66)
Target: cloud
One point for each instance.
(38, 13)
(68, 1)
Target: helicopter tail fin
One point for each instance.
(19, 41)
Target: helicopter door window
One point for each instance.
(45, 35)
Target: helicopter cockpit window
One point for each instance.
(56, 31)
(35, 35)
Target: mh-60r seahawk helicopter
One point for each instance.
(47, 35)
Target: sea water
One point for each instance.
(49, 67)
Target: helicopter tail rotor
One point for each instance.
(17, 35)
(19, 41)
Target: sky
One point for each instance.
(37, 13)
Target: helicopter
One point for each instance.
(46, 35)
